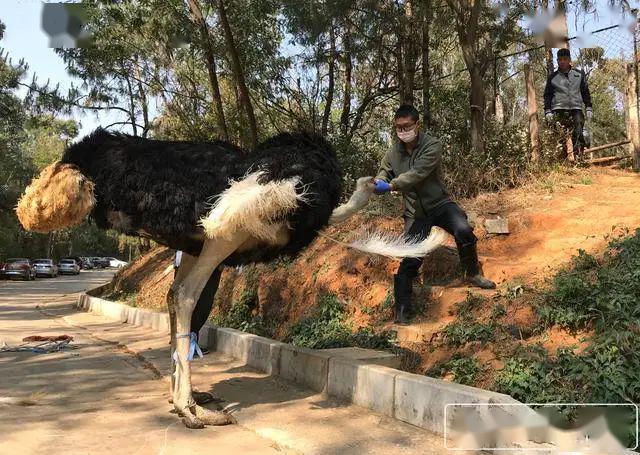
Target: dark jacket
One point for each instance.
(566, 91)
(418, 175)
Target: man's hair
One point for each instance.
(407, 110)
(563, 53)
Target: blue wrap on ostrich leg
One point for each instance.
(193, 346)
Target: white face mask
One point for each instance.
(408, 136)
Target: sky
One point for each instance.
(24, 38)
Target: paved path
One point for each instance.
(109, 394)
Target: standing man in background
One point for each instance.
(565, 93)
(412, 167)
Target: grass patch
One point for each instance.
(127, 297)
(243, 315)
(600, 296)
(586, 180)
(459, 333)
(470, 303)
(467, 329)
(465, 370)
(327, 327)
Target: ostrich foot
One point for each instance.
(190, 420)
(209, 417)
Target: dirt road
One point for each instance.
(109, 394)
(96, 398)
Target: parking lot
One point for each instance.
(28, 291)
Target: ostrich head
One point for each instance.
(60, 197)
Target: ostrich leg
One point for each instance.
(185, 297)
(198, 319)
(186, 264)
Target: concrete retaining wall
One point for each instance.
(411, 398)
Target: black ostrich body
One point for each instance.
(161, 189)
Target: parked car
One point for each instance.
(3, 274)
(85, 263)
(20, 268)
(116, 263)
(99, 263)
(45, 267)
(68, 266)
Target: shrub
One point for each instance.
(465, 370)
(327, 328)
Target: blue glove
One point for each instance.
(381, 187)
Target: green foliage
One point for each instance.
(470, 303)
(526, 378)
(602, 374)
(327, 328)
(357, 160)
(604, 296)
(586, 180)
(464, 331)
(466, 328)
(29, 141)
(48, 137)
(119, 295)
(465, 370)
(601, 296)
(242, 315)
(504, 163)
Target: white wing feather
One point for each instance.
(397, 246)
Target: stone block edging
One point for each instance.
(411, 398)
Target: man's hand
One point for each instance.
(589, 113)
(381, 186)
(548, 116)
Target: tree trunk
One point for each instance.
(239, 137)
(400, 71)
(532, 111)
(477, 104)
(409, 63)
(633, 128)
(548, 53)
(143, 99)
(50, 243)
(562, 13)
(346, 101)
(426, 71)
(132, 104)
(198, 20)
(467, 17)
(331, 88)
(238, 73)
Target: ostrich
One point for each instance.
(217, 203)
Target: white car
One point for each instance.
(68, 266)
(117, 263)
(45, 267)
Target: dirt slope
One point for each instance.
(549, 219)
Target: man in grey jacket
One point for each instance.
(565, 93)
(412, 167)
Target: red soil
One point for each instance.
(549, 221)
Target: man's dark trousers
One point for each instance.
(450, 217)
(572, 120)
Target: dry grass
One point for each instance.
(60, 197)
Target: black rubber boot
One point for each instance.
(481, 282)
(469, 262)
(402, 289)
